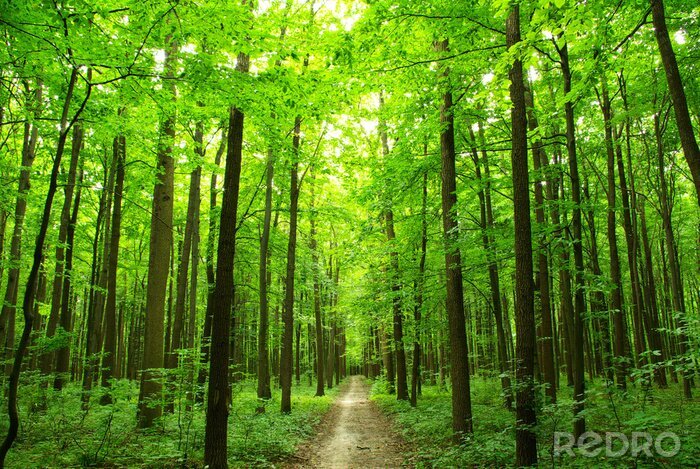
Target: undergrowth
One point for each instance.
(641, 409)
(56, 432)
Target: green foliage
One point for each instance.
(428, 426)
(57, 432)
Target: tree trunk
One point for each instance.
(675, 86)
(28, 299)
(526, 418)
(9, 308)
(211, 241)
(317, 295)
(420, 285)
(488, 241)
(110, 325)
(540, 164)
(677, 296)
(459, 352)
(286, 359)
(577, 323)
(215, 440)
(158, 261)
(178, 331)
(66, 319)
(60, 272)
(615, 276)
(264, 391)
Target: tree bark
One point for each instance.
(459, 352)
(420, 285)
(264, 391)
(216, 431)
(540, 164)
(616, 305)
(28, 299)
(286, 358)
(677, 295)
(211, 277)
(577, 323)
(675, 86)
(9, 309)
(110, 325)
(526, 418)
(60, 272)
(488, 241)
(158, 261)
(317, 295)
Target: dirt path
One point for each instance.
(353, 434)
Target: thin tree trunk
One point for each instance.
(616, 305)
(110, 346)
(576, 340)
(488, 241)
(540, 163)
(317, 295)
(28, 300)
(67, 306)
(60, 272)
(420, 286)
(288, 311)
(211, 241)
(9, 308)
(264, 391)
(677, 295)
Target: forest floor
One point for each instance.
(354, 433)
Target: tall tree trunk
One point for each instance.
(629, 227)
(398, 346)
(615, 276)
(67, 306)
(540, 164)
(675, 86)
(264, 391)
(93, 343)
(178, 331)
(286, 359)
(655, 341)
(488, 241)
(577, 323)
(211, 241)
(109, 356)
(28, 299)
(9, 308)
(158, 261)
(420, 285)
(677, 296)
(216, 432)
(317, 294)
(526, 418)
(60, 272)
(598, 341)
(459, 352)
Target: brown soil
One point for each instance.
(354, 434)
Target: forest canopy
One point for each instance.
(212, 213)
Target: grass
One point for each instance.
(428, 426)
(61, 434)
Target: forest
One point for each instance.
(349, 233)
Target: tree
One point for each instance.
(219, 392)
(461, 394)
(525, 415)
